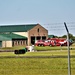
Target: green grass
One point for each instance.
(45, 53)
(47, 48)
(33, 66)
(51, 53)
(37, 66)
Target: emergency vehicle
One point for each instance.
(53, 42)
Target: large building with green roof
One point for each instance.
(17, 35)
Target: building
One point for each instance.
(16, 35)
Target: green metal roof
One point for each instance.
(2, 38)
(16, 28)
(11, 36)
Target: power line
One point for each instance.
(59, 29)
(59, 23)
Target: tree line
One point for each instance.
(65, 36)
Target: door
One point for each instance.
(43, 37)
(0, 43)
(32, 40)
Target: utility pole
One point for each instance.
(68, 47)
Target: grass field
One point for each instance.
(37, 66)
(33, 66)
(41, 53)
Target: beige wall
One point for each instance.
(6, 43)
(21, 33)
(3, 43)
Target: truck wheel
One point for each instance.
(39, 45)
(42, 45)
(50, 45)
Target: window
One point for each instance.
(38, 30)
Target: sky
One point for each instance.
(51, 14)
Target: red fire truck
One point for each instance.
(42, 43)
(60, 41)
(53, 42)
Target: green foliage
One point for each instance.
(70, 36)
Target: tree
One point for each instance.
(64, 36)
(70, 36)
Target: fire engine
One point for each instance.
(60, 41)
(42, 43)
(53, 42)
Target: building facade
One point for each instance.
(15, 35)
